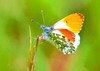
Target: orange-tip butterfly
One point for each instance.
(64, 34)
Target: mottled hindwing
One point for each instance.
(61, 41)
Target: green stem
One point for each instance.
(34, 55)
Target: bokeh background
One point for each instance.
(15, 18)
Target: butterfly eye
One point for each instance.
(42, 26)
(51, 28)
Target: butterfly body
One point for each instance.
(64, 35)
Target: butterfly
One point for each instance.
(64, 34)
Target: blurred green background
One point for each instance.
(15, 18)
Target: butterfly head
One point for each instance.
(43, 27)
(46, 29)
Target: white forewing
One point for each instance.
(56, 31)
(77, 41)
(60, 25)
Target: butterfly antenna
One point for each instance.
(36, 22)
(43, 17)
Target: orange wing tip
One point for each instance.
(74, 22)
(81, 16)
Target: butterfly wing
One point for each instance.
(64, 35)
(72, 22)
(63, 39)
